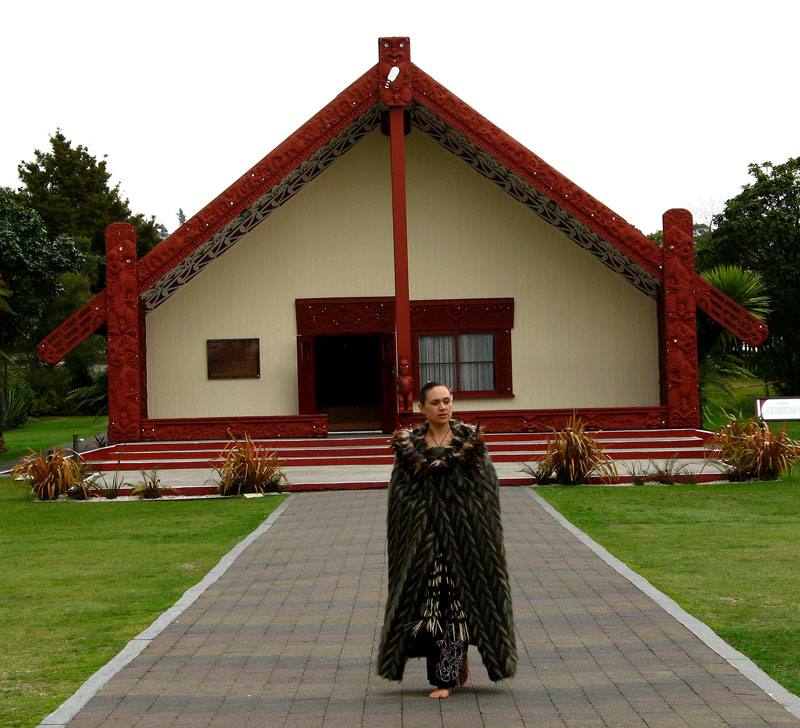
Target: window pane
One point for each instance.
(437, 360)
(477, 377)
(476, 347)
(444, 373)
(476, 354)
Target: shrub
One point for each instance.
(572, 456)
(101, 487)
(51, 475)
(748, 450)
(249, 469)
(150, 487)
(19, 405)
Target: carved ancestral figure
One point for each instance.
(405, 387)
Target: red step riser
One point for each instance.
(498, 453)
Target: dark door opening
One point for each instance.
(348, 375)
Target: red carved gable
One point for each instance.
(347, 107)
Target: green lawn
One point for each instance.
(729, 554)
(42, 433)
(81, 579)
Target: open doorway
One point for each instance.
(348, 375)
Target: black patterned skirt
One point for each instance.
(441, 632)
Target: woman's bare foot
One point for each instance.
(440, 693)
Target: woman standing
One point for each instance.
(448, 580)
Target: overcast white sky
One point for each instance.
(645, 105)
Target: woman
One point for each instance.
(448, 581)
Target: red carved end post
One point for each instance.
(394, 61)
(680, 321)
(122, 315)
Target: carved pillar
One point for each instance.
(680, 321)
(395, 92)
(122, 316)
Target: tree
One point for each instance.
(32, 267)
(70, 189)
(759, 230)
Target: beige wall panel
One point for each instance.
(333, 239)
(583, 336)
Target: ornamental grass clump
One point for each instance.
(748, 450)
(572, 456)
(248, 468)
(49, 476)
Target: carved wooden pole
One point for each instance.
(395, 92)
(122, 316)
(679, 325)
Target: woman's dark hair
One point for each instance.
(423, 393)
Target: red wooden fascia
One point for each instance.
(318, 130)
(527, 165)
(346, 107)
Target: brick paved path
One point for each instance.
(288, 637)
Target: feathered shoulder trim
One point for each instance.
(414, 454)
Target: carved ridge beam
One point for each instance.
(536, 171)
(729, 314)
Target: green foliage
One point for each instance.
(572, 456)
(760, 231)
(749, 450)
(71, 191)
(32, 266)
(19, 404)
(93, 397)
(248, 469)
(150, 488)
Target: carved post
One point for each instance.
(395, 92)
(680, 321)
(122, 316)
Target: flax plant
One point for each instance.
(572, 456)
(51, 475)
(248, 468)
(748, 450)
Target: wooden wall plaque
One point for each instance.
(233, 358)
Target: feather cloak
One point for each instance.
(446, 501)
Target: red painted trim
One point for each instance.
(536, 171)
(142, 363)
(346, 107)
(542, 420)
(122, 317)
(212, 428)
(400, 233)
(76, 329)
(318, 130)
(729, 314)
(680, 321)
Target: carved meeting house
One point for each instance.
(399, 223)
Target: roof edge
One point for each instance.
(318, 130)
(534, 170)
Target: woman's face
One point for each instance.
(438, 405)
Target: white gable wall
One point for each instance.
(583, 336)
(332, 239)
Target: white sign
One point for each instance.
(778, 408)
